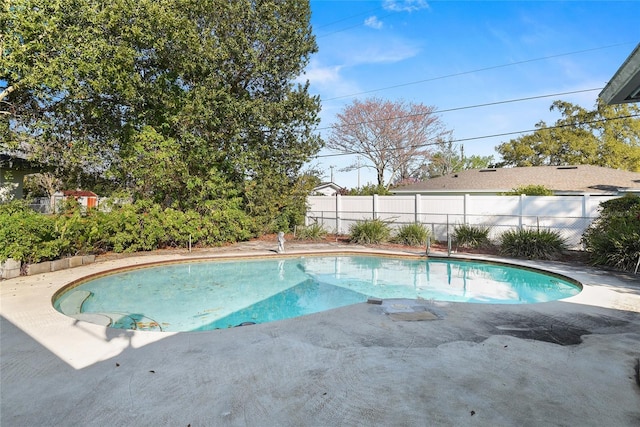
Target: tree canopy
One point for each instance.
(607, 136)
(190, 103)
(447, 158)
(393, 136)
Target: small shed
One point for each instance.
(87, 199)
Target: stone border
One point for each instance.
(12, 268)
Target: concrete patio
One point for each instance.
(570, 362)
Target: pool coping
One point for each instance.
(30, 320)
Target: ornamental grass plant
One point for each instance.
(412, 235)
(532, 244)
(370, 231)
(470, 236)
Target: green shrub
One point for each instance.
(78, 232)
(530, 190)
(369, 190)
(226, 226)
(26, 235)
(370, 231)
(532, 244)
(412, 235)
(142, 226)
(469, 236)
(313, 231)
(613, 239)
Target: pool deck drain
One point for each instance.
(569, 362)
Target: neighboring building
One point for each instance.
(16, 167)
(87, 199)
(326, 189)
(562, 180)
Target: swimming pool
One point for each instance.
(196, 296)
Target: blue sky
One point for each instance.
(452, 54)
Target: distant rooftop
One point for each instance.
(577, 179)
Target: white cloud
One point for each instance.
(321, 75)
(328, 80)
(385, 51)
(373, 22)
(405, 5)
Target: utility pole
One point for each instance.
(331, 167)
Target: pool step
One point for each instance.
(72, 304)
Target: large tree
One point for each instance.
(183, 101)
(394, 136)
(605, 136)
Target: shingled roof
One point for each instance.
(578, 179)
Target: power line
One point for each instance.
(349, 28)
(489, 136)
(346, 19)
(493, 67)
(463, 108)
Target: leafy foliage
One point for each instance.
(469, 236)
(412, 235)
(370, 231)
(31, 237)
(532, 244)
(193, 105)
(26, 235)
(607, 136)
(449, 159)
(530, 190)
(369, 190)
(613, 239)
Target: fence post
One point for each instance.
(417, 209)
(338, 211)
(465, 207)
(375, 206)
(585, 203)
(521, 210)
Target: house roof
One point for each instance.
(624, 86)
(79, 193)
(560, 179)
(332, 185)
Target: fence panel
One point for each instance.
(398, 210)
(568, 215)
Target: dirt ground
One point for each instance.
(574, 257)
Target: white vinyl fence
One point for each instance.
(568, 215)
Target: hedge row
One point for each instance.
(31, 237)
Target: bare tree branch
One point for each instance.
(390, 135)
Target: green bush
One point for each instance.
(469, 236)
(369, 190)
(613, 239)
(370, 231)
(530, 190)
(78, 232)
(142, 226)
(26, 235)
(313, 231)
(532, 244)
(412, 235)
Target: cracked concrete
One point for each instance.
(568, 362)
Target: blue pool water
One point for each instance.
(197, 296)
